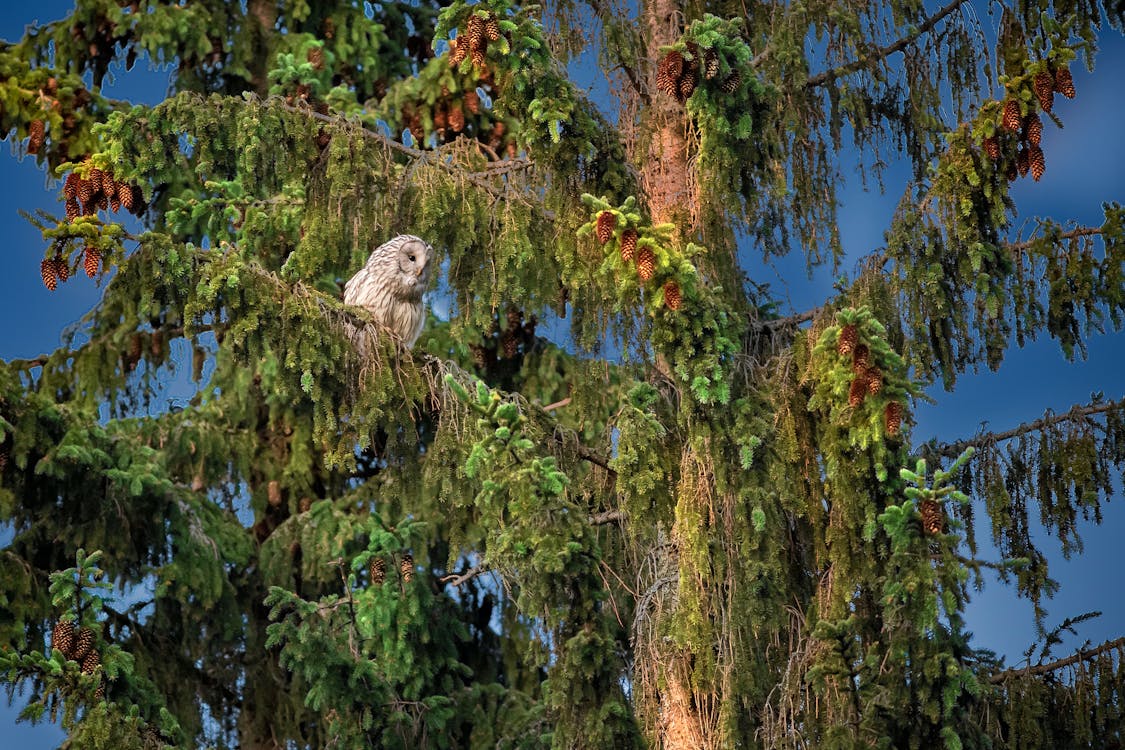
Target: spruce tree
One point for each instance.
(680, 520)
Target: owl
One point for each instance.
(391, 284)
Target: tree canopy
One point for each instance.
(614, 498)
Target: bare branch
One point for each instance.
(1074, 414)
(882, 52)
(609, 516)
(456, 579)
(1059, 663)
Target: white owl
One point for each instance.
(391, 283)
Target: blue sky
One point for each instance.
(1086, 166)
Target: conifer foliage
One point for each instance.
(611, 499)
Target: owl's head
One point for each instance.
(412, 261)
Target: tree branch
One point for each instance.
(878, 54)
(951, 450)
(456, 579)
(1057, 664)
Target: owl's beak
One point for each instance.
(420, 272)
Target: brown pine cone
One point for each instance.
(604, 226)
(1045, 89)
(492, 29)
(892, 416)
(1036, 162)
(91, 260)
(1064, 83)
(1023, 161)
(673, 298)
(406, 567)
(83, 645)
(857, 391)
(377, 569)
(646, 263)
(70, 186)
(731, 83)
(472, 102)
(92, 661)
(1033, 127)
(992, 148)
(47, 271)
(628, 244)
(458, 51)
(849, 337)
(1012, 119)
(35, 136)
(62, 268)
(62, 637)
(874, 380)
(73, 210)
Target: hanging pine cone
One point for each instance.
(646, 263)
(92, 661)
(510, 343)
(85, 190)
(477, 56)
(70, 186)
(440, 118)
(377, 568)
(62, 268)
(1013, 119)
(1044, 85)
(874, 380)
(992, 148)
(492, 29)
(35, 136)
(456, 119)
(1064, 83)
(1037, 162)
(861, 357)
(604, 225)
(475, 32)
(628, 244)
(406, 567)
(108, 185)
(92, 257)
(1033, 128)
(136, 344)
(83, 645)
(273, 490)
(73, 210)
(688, 82)
(47, 270)
(315, 56)
(892, 417)
(673, 298)
(458, 51)
(933, 517)
(472, 101)
(849, 337)
(668, 73)
(95, 176)
(62, 637)
(732, 82)
(99, 693)
(710, 63)
(114, 204)
(1023, 160)
(857, 391)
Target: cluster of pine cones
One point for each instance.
(1028, 130)
(78, 646)
(868, 378)
(377, 569)
(56, 268)
(474, 42)
(99, 190)
(677, 76)
(605, 224)
(517, 333)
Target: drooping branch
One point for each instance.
(988, 438)
(1058, 663)
(882, 52)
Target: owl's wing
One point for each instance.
(358, 289)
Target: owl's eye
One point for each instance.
(411, 258)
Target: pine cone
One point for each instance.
(874, 380)
(1023, 160)
(646, 263)
(377, 568)
(477, 56)
(95, 176)
(62, 268)
(99, 693)
(710, 63)
(273, 493)
(1045, 89)
(47, 270)
(492, 29)
(85, 190)
(70, 186)
(857, 391)
(1012, 119)
(892, 417)
(933, 517)
(510, 343)
(92, 257)
(92, 661)
(83, 645)
(456, 119)
(1033, 127)
(73, 210)
(731, 83)
(1064, 83)
(475, 32)
(1037, 162)
(688, 82)
(604, 226)
(992, 148)
(35, 136)
(849, 337)
(458, 51)
(861, 357)
(440, 120)
(673, 298)
(62, 637)
(668, 73)
(406, 567)
(628, 244)
(108, 185)
(315, 56)
(472, 102)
